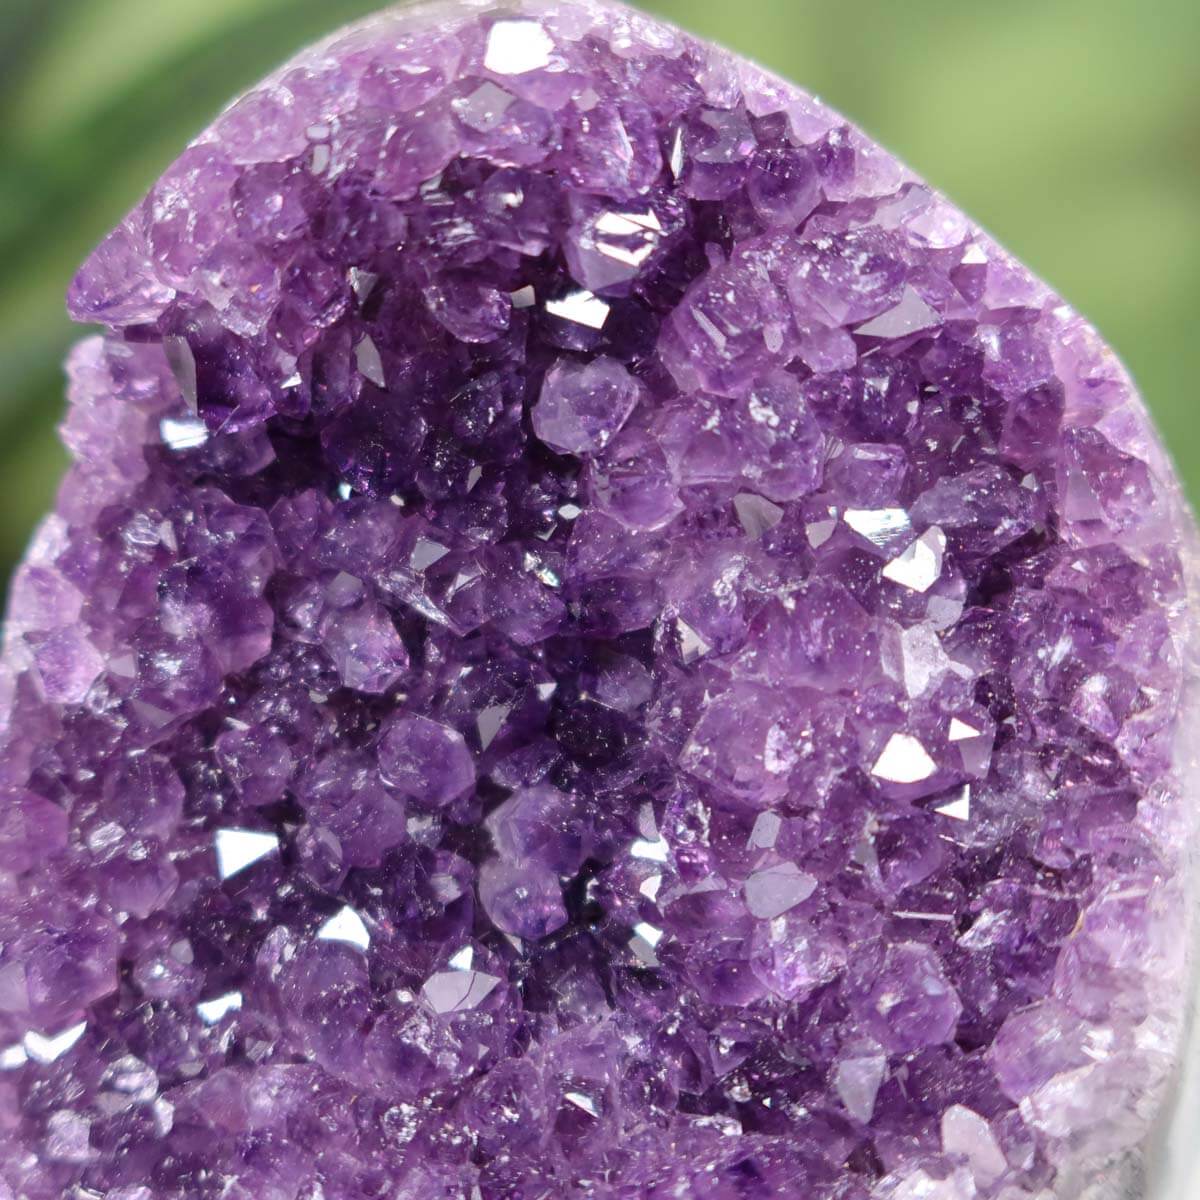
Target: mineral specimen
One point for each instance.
(601, 641)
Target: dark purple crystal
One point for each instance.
(601, 641)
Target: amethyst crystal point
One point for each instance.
(601, 641)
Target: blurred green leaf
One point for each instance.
(25, 26)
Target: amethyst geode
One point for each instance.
(601, 641)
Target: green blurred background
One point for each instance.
(1070, 128)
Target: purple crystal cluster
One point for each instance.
(600, 641)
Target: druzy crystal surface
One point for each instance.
(601, 640)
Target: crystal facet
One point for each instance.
(601, 641)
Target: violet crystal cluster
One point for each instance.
(601, 641)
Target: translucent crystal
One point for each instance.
(600, 640)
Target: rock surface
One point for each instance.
(601, 641)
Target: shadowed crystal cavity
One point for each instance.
(601, 640)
